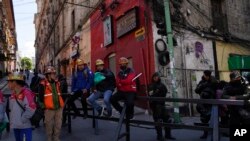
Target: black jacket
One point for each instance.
(63, 85)
(34, 85)
(108, 83)
(239, 91)
(207, 88)
(159, 90)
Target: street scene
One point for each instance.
(134, 70)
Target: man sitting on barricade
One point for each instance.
(104, 86)
(126, 88)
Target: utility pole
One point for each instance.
(172, 61)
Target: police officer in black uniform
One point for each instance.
(206, 89)
(237, 90)
(160, 114)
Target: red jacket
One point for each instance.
(124, 81)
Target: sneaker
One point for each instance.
(100, 111)
(107, 113)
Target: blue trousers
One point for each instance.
(20, 134)
(106, 97)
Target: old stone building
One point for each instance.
(209, 34)
(58, 23)
(8, 44)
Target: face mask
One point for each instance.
(123, 67)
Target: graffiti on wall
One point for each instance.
(198, 50)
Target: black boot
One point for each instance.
(160, 138)
(204, 136)
(168, 134)
(159, 133)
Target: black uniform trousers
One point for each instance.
(128, 97)
(160, 114)
(76, 95)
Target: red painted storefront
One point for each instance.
(141, 52)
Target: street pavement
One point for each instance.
(82, 129)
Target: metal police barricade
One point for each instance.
(212, 128)
(213, 125)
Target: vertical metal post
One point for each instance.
(214, 123)
(119, 127)
(127, 129)
(95, 123)
(172, 61)
(69, 118)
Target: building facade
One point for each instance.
(124, 29)
(8, 44)
(206, 37)
(58, 23)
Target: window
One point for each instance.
(219, 18)
(73, 20)
(112, 63)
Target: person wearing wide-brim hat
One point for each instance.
(51, 99)
(21, 98)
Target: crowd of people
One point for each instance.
(236, 89)
(48, 94)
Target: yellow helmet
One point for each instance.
(123, 60)
(15, 76)
(79, 62)
(99, 62)
(50, 69)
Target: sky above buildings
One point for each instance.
(24, 15)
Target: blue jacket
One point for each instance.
(82, 80)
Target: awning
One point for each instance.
(238, 62)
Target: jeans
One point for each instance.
(106, 97)
(20, 134)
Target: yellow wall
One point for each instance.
(223, 50)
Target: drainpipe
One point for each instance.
(217, 74)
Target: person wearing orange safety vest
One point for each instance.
(50, 97)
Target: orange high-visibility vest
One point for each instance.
(48, 96)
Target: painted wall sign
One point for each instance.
(127, 22)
